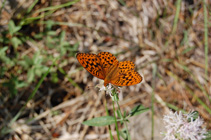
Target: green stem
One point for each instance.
(117, 129)
(125, 124)
(109, 128)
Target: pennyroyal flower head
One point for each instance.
(183, 127)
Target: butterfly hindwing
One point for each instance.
(127, 78)
(125, 66)
(92, 63)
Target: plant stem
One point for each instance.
(109, 128)
(117, 129)
(128, 135)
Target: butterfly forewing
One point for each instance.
(107, 60)
(92, 63)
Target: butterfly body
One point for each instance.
(106, 67)
(111, 73)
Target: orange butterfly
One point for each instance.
(106, 67)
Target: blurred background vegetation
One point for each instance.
(46, 94)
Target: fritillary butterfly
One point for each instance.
(106, 67)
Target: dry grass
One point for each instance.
(140, 31)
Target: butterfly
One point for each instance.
(105, 66)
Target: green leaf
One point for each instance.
(2, 71)
(49, 24)
(62, 37)
(138, 110)
(188, 49)
(208, 136)
(3, 50)
(54, 77)
(100, 121)
(13, 84)
(122, 2)
(73, 49)
(1, 40)
(119, 114)
(39, 35)
(21, 84)
(61, 70)
(12, 28)
(30, 75)
(40, 69)
(194, 115)
(37, 59)
(4, 58)
(27, 62)
(32, 6)
(52, 33)
(75, 46)
(16, 42)
(125, 114)
(50, 42)
(123, 134)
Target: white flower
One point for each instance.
(183, 127)
(109, 89)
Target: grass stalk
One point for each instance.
(205, 39)
(33, 93)
(7, 130)
(53, 8)
(178, 6)
(2, 6)
(47, 11)
(32, 6)
(154, 72)
(70, 79)
(195, 79)
(190, 91)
